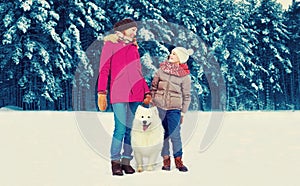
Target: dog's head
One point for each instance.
(144, 117)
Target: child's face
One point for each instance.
(130, 32)
(173, 57)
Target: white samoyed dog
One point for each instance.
(147, 136)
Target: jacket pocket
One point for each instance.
(158, 98)
(162, 85)
(175, 100)
(159, 94)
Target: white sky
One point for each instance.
(285, 3)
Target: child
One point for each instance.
(171, 94)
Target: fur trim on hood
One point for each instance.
(115, 38)
(111, 37)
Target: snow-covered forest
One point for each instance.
(246, 56)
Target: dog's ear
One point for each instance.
(138, 110)
(139, 107)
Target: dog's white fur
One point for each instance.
(146, 136)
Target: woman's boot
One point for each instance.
(126, 166)
(116, 168)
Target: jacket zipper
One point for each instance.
(167, 92)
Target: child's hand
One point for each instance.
(181, 117)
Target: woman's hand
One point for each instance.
(102, 101)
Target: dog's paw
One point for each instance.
(150, 168)
(140, 169)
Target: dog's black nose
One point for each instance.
(144, 122)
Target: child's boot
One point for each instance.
(167, 163)
(179, 164)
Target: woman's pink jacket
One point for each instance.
(121, 62)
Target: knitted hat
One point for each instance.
(124, 24)
(183, 54)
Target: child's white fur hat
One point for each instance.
(183, 53)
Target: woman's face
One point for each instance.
(173, 57)
(130, 32)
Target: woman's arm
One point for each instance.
(104, 67)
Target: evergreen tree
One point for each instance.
(43, 49)
(272, 54)
(248, 99)
(230, 44)
(29, 30)
(231, 48)
(81, 24)
(292, 84)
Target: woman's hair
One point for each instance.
(124, 24)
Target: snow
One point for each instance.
(146, 34)
(62, 148)
(26, 5)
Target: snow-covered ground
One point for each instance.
(70, 148)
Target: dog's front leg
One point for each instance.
(139, 161)
(152, 161)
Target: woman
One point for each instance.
(120, 60)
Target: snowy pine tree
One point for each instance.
(292, 81)
(29, 30)
(43, 49)
(81, 24)
(271, 52)
(229, 41)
